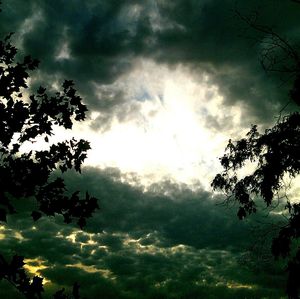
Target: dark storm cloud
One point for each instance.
(216, 40)
(168, 240)
(93, 32)
(180, 217)
(98, 41)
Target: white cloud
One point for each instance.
(177, 128)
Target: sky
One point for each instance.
(167, 84)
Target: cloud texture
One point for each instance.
(171, 240)
(167, 242)
(97, 42)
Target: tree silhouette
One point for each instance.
(275, 153)
(29, 174)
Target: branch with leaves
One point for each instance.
(275, 153)
(25, 175)
(31, 288)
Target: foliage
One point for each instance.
(31, 288)
(23, 175)
(275, 153)
(27, 174)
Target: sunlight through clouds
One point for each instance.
(172, 133)
(161, 123)
(177, 128)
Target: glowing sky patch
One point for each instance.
(169, 135)
(34, 266)
(177, 128)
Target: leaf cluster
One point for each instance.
(31, 288)
(25, 119)
(275, 154)
(14, 272)
(29, 118)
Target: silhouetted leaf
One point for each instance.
(17, 262)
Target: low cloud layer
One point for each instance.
(167, 242)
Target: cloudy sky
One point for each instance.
(167, 83)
